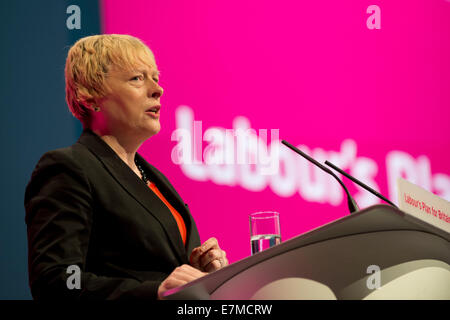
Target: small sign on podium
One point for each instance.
(423, 205)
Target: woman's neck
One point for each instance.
(123, 146)
(126, 151)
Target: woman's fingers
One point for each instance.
(213, 266)
(186, 273)
(217, 261)
(198, 252)
(211, 256)
(208, 257)
(180, 276)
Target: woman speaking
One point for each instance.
(98, 205)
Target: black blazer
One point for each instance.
(86, 207)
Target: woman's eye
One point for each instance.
(136, 78)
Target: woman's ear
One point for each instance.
(90, 103)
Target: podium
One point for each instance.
(376, 253)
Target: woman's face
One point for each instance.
(132, 105)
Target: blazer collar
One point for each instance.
(171, 195)
(142, 193)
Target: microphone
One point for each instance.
(379, 195)
(352, 206)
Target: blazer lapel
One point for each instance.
(169, 192)
(137, 189)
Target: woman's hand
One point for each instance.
(208, 257)
(180, 276)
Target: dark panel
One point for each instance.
(35, 117)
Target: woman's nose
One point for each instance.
(155, 90)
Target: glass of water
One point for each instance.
(264, 230)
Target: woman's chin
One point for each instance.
(153, 129)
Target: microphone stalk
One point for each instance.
(361, 184)
(352, 206)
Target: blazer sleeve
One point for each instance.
(59, 217)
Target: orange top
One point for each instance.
(175, 213)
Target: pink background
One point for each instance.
(311, 69)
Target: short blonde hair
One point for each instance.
(87, 64)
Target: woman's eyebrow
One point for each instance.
(156, 72)
(143, 71)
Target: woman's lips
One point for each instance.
(154, 115)
(153, 112)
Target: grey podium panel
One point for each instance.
(337, 269)
(332, 262)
